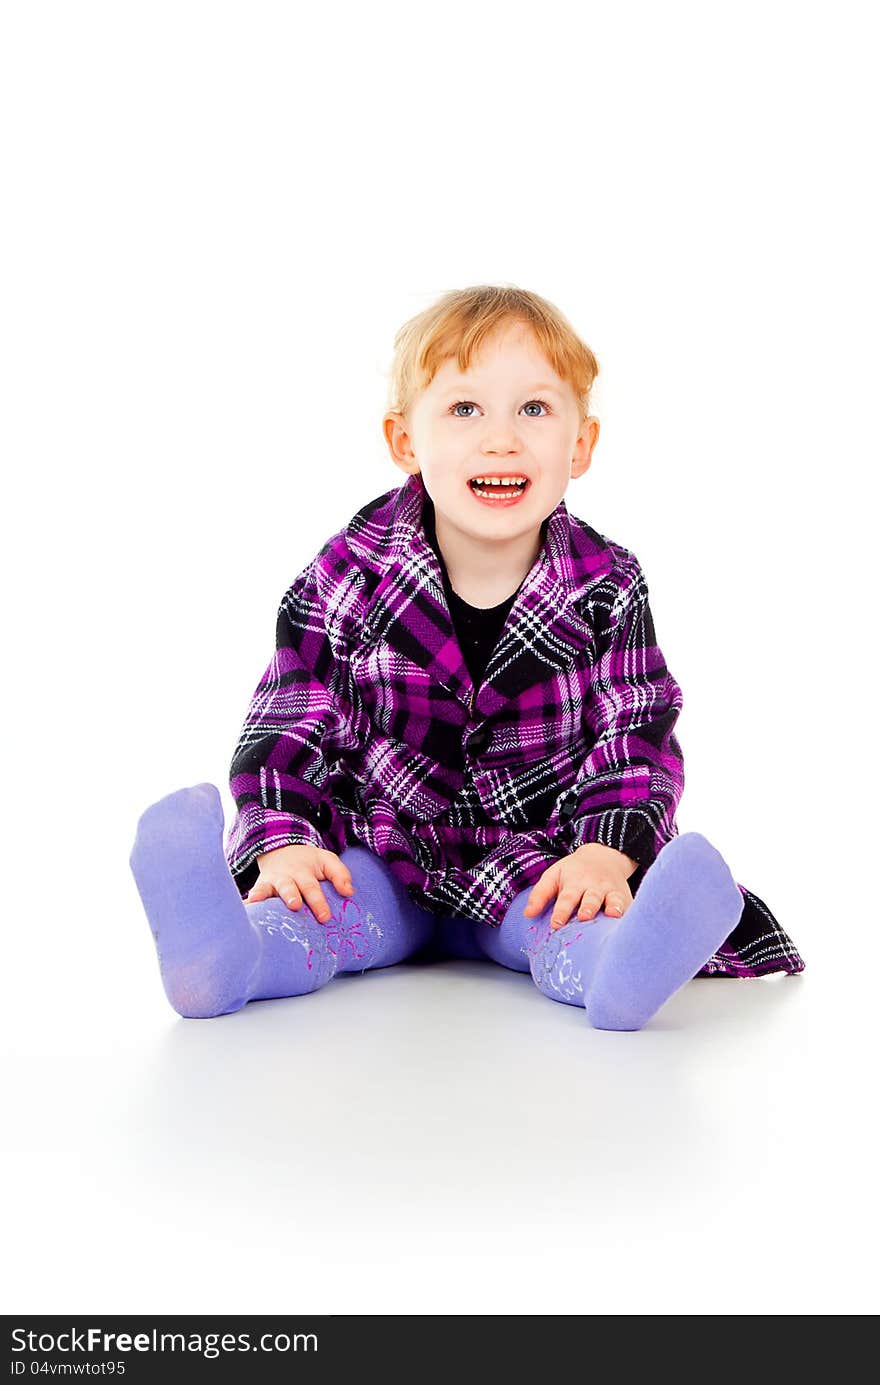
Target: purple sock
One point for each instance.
(216, 952)
(208, 952)
(624, 969)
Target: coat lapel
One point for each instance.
(543, 632)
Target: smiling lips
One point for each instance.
(500, 490)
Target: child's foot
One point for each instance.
(686, 906)
(208, 950)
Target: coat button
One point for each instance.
(478, 741)
(567, 810)
(324, 817)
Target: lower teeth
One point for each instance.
(494, 494)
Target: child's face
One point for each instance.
(509, 415)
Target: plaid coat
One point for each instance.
(366, 727)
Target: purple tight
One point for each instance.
(217, 952)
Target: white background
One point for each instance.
(215, 219)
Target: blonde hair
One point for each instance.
(459, 323)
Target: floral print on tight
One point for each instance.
(348, 936)
(552, 966)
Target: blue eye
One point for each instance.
(469, 404)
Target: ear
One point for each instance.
(397, 436)
(583, 448)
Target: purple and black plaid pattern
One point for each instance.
(366, 726)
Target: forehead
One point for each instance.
(510, 354)
(525, 369)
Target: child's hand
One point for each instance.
(292, 873)
(592, 875)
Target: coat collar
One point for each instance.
(408, 609)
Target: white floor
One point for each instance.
(438, 1138)
(184, 433)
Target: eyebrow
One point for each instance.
(464, 384)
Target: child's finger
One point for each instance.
(262, 890)
(314, 897)
(536, 904)
(341, 879)
(288, 891)
(615, 905)
(284, 889)
(592, 900)
(544, 891)
(567, 901)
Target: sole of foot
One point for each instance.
(207, 948)
(686, 906)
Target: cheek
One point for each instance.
(555, 441)
(442, 476)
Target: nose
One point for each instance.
(498, 441)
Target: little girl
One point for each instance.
(464, 743)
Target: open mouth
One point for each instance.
(499, 491)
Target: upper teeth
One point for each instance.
(499, 480)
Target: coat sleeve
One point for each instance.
(281, 765)
(629, 787)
